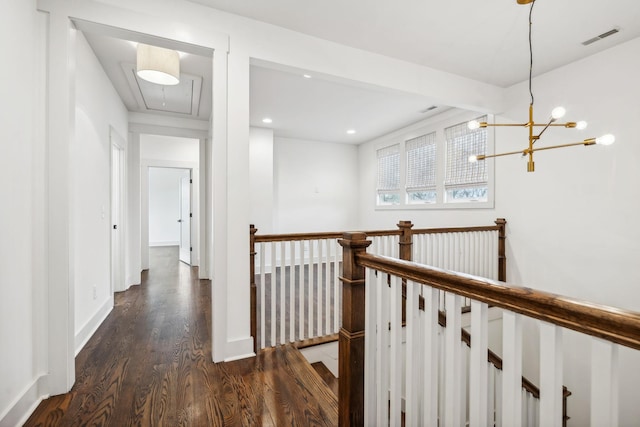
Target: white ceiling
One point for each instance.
(318, 109)
(116, 51)
(483, 40)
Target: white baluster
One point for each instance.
(272, 286)
(604, 383)
(370, 339)
(312, 282)
(511, 369)
(478, 364)
(263, 307)
(336, 286)
(452, 412)
(319, 312)
(395, 389)
(292, 291)
(382, 350)
(282, 286)
(301, 291)
(431, 362)
(550, 375)
(327, 289)
(414, 350)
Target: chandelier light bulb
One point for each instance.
(581, 125)
(607, 139)
(473, 125)
(558, 113)
(473, 159)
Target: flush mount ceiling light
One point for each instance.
(158, 65)
(556, 114)
(267, 120)
(351, 131)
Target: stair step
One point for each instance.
(327, 376)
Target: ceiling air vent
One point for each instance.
(601, 36)
(433, 107)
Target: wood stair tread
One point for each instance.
(327, 376)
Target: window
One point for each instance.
(389, 175)
(421, 169)
(466, 181)
(426, 166)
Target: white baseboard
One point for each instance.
(92, 325)
(169, 243)
(239, 349)
(23, 406)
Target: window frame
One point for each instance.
(436, 124)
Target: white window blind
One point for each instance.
(389, 168)
(421, 162)
(469, 179)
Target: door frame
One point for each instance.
(118, 283)
(60, 225)
(197, 230)
(189, 217)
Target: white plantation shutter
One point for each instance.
(463, 142)
(421, 162)
(389, 168)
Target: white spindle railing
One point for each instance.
(428, 372)
(298, 290)
(424, 367)
(471, 252)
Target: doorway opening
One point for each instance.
(170, 210)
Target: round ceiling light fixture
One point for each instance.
(158, 65)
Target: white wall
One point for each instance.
(98, 110)
(21, 187)
(571, 226)
(261, 179)
(164, 205)
(315, 186)
(160, 147)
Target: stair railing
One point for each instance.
(295, 289)
(377, 379)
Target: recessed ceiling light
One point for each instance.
(267, 120)
(306, 76)
(351, 131)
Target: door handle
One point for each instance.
(179, 220)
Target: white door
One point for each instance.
(117, 241)
(185, 217)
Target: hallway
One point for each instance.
(149, 364)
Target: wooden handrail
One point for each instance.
(318, 236)
(456, 229)
(612, 324)
(397, 232)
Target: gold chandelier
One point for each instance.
(556, 114)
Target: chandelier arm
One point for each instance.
(505, 124)
(545, 128)
(564, 125)
(510, 153)
(586, 142)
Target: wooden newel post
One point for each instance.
(502, 254)
(351, 340)
(406, 240)
(252, 283)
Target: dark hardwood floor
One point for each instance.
(149, 364)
